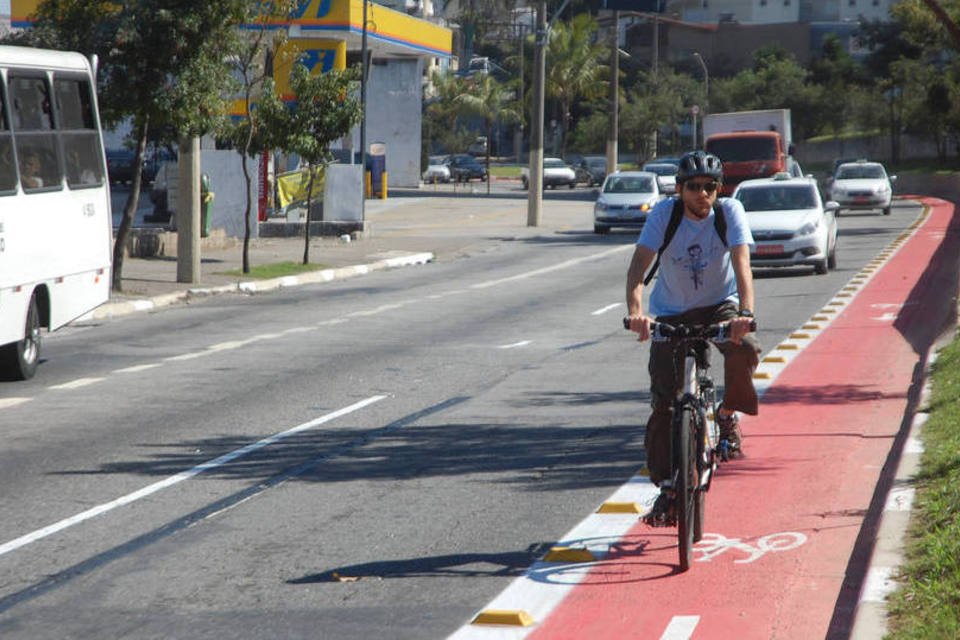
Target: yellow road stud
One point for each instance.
(511, 617)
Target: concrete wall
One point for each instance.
(394, 105)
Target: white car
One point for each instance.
(556, 172)
(790, 223)
(666, 175)
(437, 170)
(625, 199)
(862, 185)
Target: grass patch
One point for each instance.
(927, 604)
(276, 270)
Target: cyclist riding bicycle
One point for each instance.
(705, 278)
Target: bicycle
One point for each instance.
(695, 446)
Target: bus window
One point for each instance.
(78, 128)
(35, 137)
(8, 171)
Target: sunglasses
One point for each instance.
(697, 187)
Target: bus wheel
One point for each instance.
(19, 359)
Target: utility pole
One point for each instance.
(188, 210)
(535, 177)
(613, 130)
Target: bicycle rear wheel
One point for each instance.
(686, 449)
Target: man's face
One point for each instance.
(699, 194)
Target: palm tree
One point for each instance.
(575, 67)
(487, 98)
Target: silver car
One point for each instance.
(625, 200)
(791, 225)
(862, 185)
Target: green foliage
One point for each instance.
(326, 108)
(927, 605)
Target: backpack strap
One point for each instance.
(676, 216)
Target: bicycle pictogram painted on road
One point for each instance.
(715, 544)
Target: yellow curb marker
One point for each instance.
(799, 336)
(787, 346)
(511, 617)
(619, 507)
(777, 359)
(569, 554)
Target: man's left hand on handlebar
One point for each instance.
(641, 325)
(740, 327)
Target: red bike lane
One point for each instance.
(789, 528)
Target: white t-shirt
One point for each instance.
(695, 269)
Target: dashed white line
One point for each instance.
(12, 402)
(76, 384)
(137, 368)
(603, 310)
(514, 345)
(680, 628)
(49, 530)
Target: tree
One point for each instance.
(442, 122)
(487, 98)
(575, 67)
(325, 108)
(161, 62)
(250, 65)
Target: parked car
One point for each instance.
(862, 185)
(590, 170)
(464, 168)
(666, 175)
(791, 225)
(437, 169)
(625, 200)
(120, 165)
(556, 172)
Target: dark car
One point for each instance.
(591, 170)
(464, 168)
(120, 165)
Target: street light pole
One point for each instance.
(363, 119)
(706, 89)
(614, 124)
(535, 171)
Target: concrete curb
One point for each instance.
(118, 308)
(881, 581)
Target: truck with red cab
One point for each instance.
(751, 144)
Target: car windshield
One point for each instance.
(777, 198)
(629, 184)
(743, 149)
(857, 172)
(552, 163)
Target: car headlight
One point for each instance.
(600, 207)
(808, 229)
(882, 189)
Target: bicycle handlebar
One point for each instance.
(700, 331)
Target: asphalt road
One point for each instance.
(369, 458)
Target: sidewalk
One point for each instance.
(412, 228)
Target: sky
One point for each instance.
(5, 7)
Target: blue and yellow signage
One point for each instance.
(319, 56)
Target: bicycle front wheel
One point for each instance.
(699, 493)
(686, 448)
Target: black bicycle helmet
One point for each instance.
(699, 163)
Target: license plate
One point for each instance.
(769, 249)
(861, 199)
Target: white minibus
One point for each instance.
(55, 221)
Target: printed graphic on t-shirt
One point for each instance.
(696, 264)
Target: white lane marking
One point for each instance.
(522, 343)
(49, 530)
(76, 384)
(680, 628)
(603, 310)
(137, 368)
(557, 267)
(12, 402)
(544, 584)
